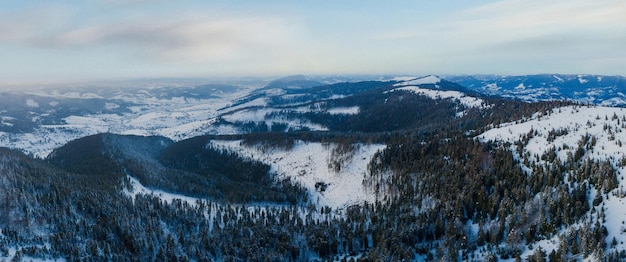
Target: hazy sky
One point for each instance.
(110, 39)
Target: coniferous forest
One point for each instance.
(442, 194)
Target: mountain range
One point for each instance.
(588, 89)
(302, 168)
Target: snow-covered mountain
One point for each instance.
(568, 135)
(593, 89)
(305, 168)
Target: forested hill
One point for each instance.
(408, 169)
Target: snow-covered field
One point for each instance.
(310, 163)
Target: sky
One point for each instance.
(64, 41)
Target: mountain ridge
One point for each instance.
(594, 89)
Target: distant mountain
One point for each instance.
(593, 89)
(306, 81)
(294, 82)
(367, 106)
(301, 88)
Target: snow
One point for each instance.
(605, 124)
(173, 118)
(137, 111)
(344, 110)
(464, 99)
(579, 121)
(615, 212)
(13, 251)
(431, 79)
(492, 87)
(42, 141)
(320, 107)
(85, 121)
(71, 94)
(309, 163)
(259, 115)
(305, 163)
(137, 188)
(582, 80)
(403, 78)
(31, 103)
(558, 78)
(111, 106)
(259, 102)
(254, 115)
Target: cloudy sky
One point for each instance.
(48, 41)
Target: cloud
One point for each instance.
(157, 37)
(527, 18)
(511, 20)
(137, 30)
(519, 35)
(17, 26)
(194, 37)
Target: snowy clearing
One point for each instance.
(312, 163)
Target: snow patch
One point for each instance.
(31, 103)
(582, 80)
(138, 189)
(558, 78)
(111, 106)
(12, 252)
(492, 87)
(259, 102)
(427, 80)
(403, 78)
(344, 110)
